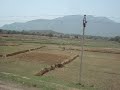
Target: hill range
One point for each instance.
(71, 24)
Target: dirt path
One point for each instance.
(8, 86)
(11, 86)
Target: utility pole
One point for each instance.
(82, 48)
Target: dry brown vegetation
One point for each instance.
(101, 66)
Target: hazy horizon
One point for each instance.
(24, 10)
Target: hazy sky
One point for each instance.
(24, 10)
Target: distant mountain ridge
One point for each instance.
(72, 24)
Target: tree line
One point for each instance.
(55, 34)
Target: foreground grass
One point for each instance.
(22, 72)
(43, 83)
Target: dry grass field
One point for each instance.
(100, 71)
(101, 63)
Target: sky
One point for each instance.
(25, 10)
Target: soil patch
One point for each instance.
(44, 57)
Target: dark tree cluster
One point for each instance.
(25, 33)
(9, 32)
(117, 39)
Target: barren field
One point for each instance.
(101, 64)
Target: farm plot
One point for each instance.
(34, 60)
(101, 71)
